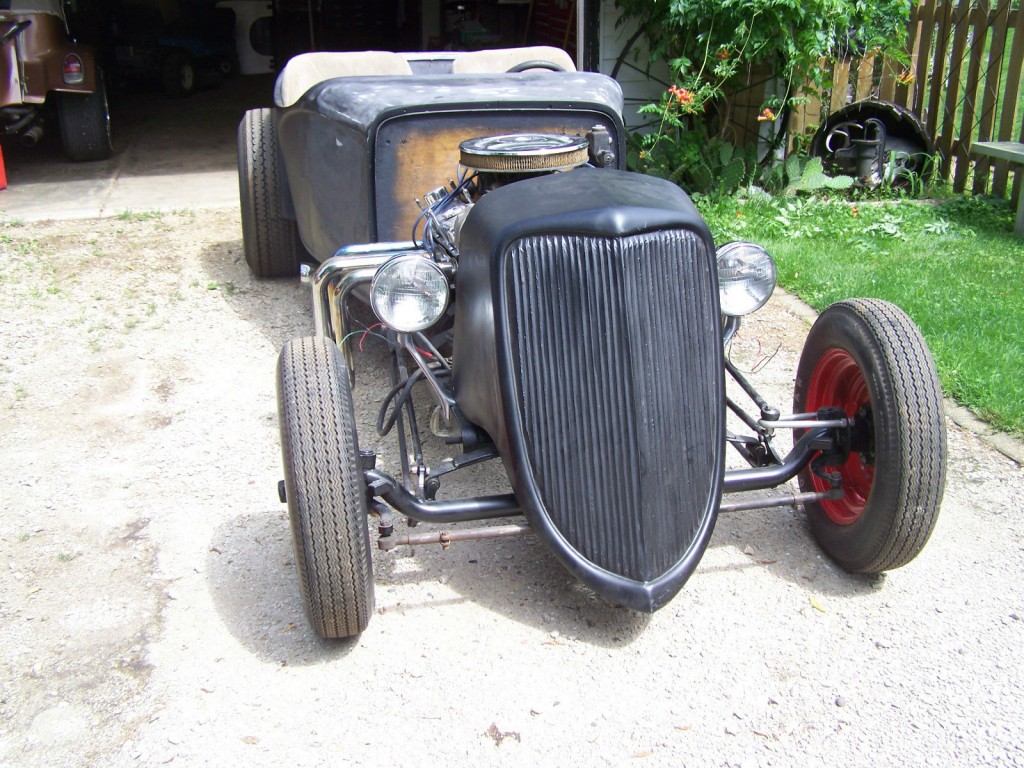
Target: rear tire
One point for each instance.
(84, 121)
(324, 487)
(270, 239)
(867, 356)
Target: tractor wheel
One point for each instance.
(178, 75)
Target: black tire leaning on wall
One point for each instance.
(84, 121)
(867, 354)
(324, 486)
(270, 239)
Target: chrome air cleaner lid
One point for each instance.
(523, 152)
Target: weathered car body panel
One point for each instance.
(395, 138)
(569, 287)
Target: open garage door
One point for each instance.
(179, 74)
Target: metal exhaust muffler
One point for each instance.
(32, 136)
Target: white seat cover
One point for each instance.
(304, 71)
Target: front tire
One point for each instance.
(84, 121)
(324, 487)
(868, 358)
(269, 238)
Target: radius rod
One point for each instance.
(447, 538)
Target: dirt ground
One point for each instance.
(150, 612)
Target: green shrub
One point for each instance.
(707, 43)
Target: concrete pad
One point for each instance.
(169, 154)
(152, 610)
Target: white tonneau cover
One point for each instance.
(304, 71)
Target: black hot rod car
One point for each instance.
(568, 318)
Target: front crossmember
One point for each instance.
(825, 439)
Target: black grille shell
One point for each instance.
(588, 347)
(616, 363)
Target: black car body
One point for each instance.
(568, 318)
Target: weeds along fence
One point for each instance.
(963, 79)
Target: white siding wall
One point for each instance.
(637, 87)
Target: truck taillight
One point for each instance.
(74, 70)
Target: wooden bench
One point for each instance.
(1012, 152)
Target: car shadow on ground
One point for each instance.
(278, 309)
(521, 579)
(516, 578)
(779, 541)
(254, 584)
(251, 577)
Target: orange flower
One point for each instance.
(906, 77)
(723, 53)
(854, 211)
(683, 96)
(766, 116)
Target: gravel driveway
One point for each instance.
(149, 607)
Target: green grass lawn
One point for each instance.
(955, 268)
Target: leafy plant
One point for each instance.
(698, 162)
(708, 42)
(938, 227)
(809, 176)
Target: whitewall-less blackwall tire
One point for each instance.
(84, 121)
(269, 237)
(868, 358)
(324, 486)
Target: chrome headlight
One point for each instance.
(409, 293)
(746, 278)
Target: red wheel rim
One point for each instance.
(837, 381)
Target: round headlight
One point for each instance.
(409, 293)
(746, 278)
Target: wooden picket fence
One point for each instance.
(963, 81)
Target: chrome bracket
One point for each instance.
(335, 279)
